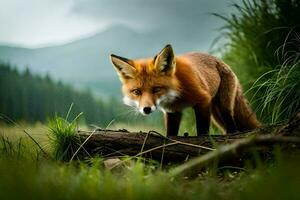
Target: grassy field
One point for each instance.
(26, 173)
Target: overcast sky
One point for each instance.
(35, 23)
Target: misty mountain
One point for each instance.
(85, 63)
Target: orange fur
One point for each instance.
(194, 79)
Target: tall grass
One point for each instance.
(278, 97)
(262, 46)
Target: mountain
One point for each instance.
(85, 63)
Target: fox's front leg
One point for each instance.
(202, 114)
(172, 122)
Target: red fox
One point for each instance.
(171, 83)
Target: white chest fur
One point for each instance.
(170, 102)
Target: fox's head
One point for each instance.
(150, 83)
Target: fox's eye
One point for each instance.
(156, 89)
(136, 92)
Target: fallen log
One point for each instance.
(115, 143)
(112, 143)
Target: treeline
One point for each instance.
(28, 97)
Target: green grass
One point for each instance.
(62, 137)
(27, 178)
(281, 94)
(27, 173)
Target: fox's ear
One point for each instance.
(165, 61)
(123, 66)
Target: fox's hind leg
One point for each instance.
(219, 122)
(225, 100)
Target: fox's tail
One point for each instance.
(244, 117)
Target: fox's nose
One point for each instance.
(147, 110)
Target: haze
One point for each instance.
(37, 23)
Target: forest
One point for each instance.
(34, 98)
